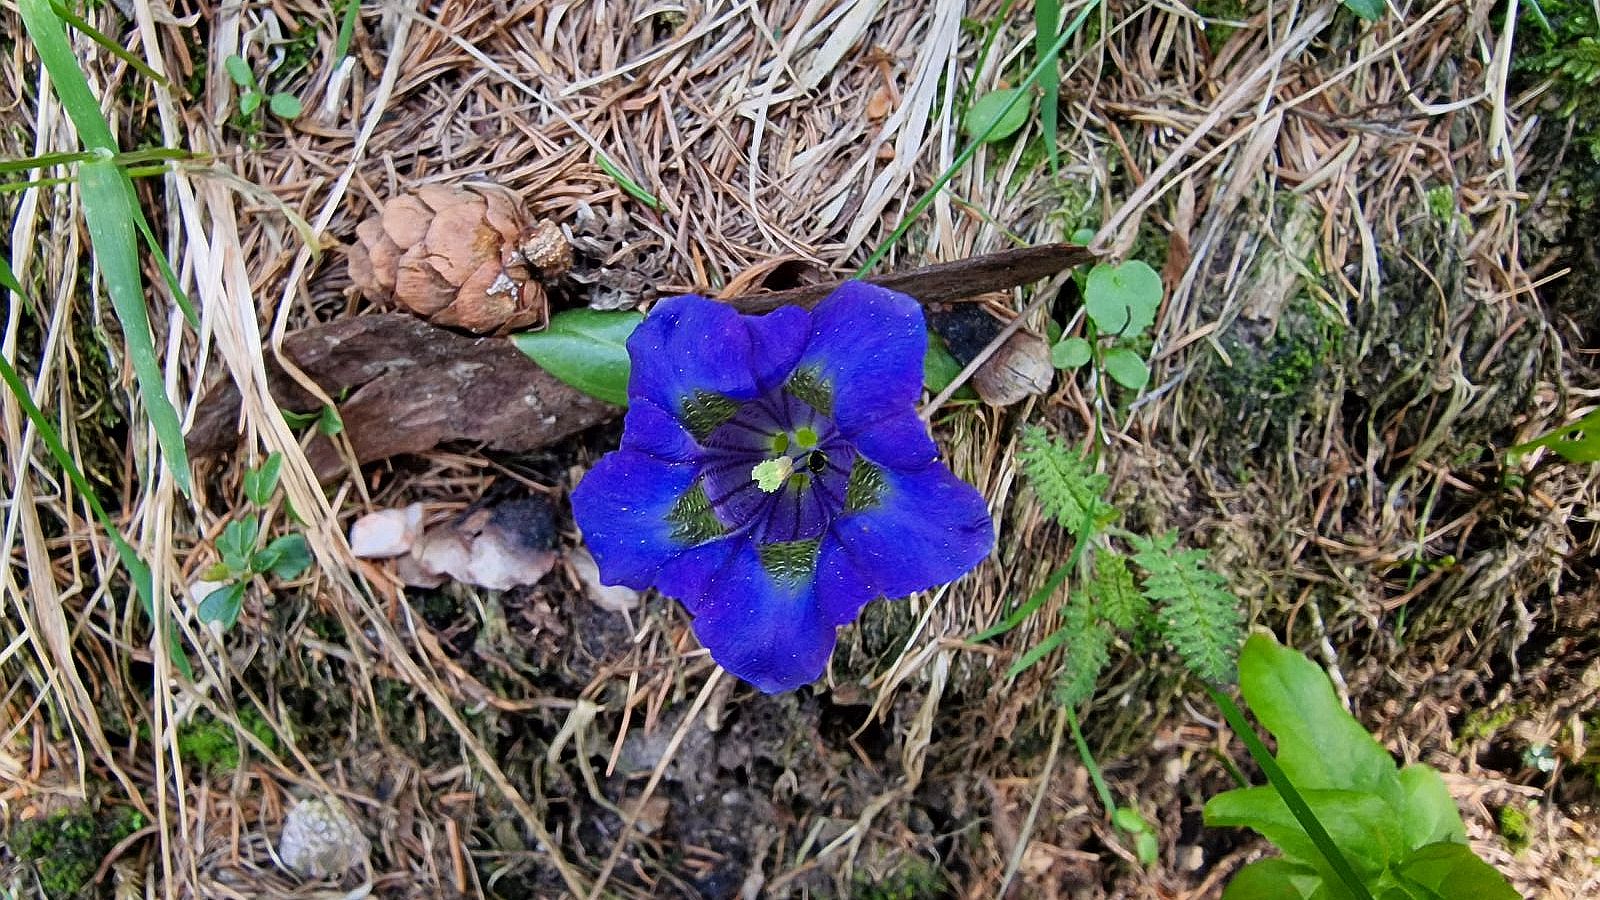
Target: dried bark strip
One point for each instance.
(411, 386)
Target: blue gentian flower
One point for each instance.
(774, 476)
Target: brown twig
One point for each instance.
(963, 279)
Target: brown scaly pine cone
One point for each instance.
(460, 256)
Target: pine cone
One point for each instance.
(460, 256)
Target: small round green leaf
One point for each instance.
(586, 348)
(1147, 847)
(284, 106)
(1126, 368)
(239, 71)
(989, 120)
(1123, 299)
(1128, 819)
(221, 606)
(1070, 353)
(286, 557)
(249, 102)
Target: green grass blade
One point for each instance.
(50, 39)
(989, 36)
(43, 161)
(347, 30)
(633, 188)
(167, 274)
(1037, 652)
(1027, 609)
(138, 573)
(110, 213)
(109, 45)
(1046, 21)
(1048, 62)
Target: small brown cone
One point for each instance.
(460, 256)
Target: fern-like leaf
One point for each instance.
(1116, 599)
(1088, 643)
(1195, 612)
(1068, 487)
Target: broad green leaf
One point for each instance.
(1578, 442)
(939, 368)
(109, 213)
(1430, 814)
(239, 71)
(326, 419)
(284, 106)
(1126, 368)
(1273, 879)
(1371, 10)
(262, 481)
(222, 605)
(249, 102)
(237, 543)
(1453, 871)
(587, 349)
(1362, 825)
(1070, 353)
(286, 557)
(1122, 299)
(1320, 745)
(996, 115)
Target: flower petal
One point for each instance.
(621, 506)
(778, 338)
(926, 528)
(688, 577)
(690, 345)
(899, 440)
(768, 631)
(867, 345)
(650, 429)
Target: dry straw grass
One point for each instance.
(1279, 161)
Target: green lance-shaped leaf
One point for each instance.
(586, 348)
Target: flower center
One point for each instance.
(797, 455)
(778, 467)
